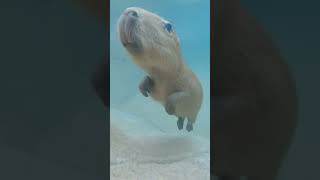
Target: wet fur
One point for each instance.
(175, 86)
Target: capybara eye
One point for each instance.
(168, 27)
(134, 13)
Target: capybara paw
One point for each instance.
(143, 90)
(180, 123)
(189, 127)
(146, 86)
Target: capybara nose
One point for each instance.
(131, 13)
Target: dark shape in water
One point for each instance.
(98, 8)
(100, 81)
(254, 101)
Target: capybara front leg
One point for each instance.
(146, 86)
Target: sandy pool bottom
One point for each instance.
(140, 151)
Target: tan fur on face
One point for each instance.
(161, 59)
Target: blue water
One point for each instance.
(191, 21)
(145, 140)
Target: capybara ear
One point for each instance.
(97, 8)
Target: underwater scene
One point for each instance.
(146, 141)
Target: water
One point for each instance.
(141, 130)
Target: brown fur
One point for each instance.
(160, 57)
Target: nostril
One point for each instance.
(132, 13)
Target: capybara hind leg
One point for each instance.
(181, 105)
(180, 123)
(190, 125)
(173, 100)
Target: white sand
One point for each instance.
(140, 151)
